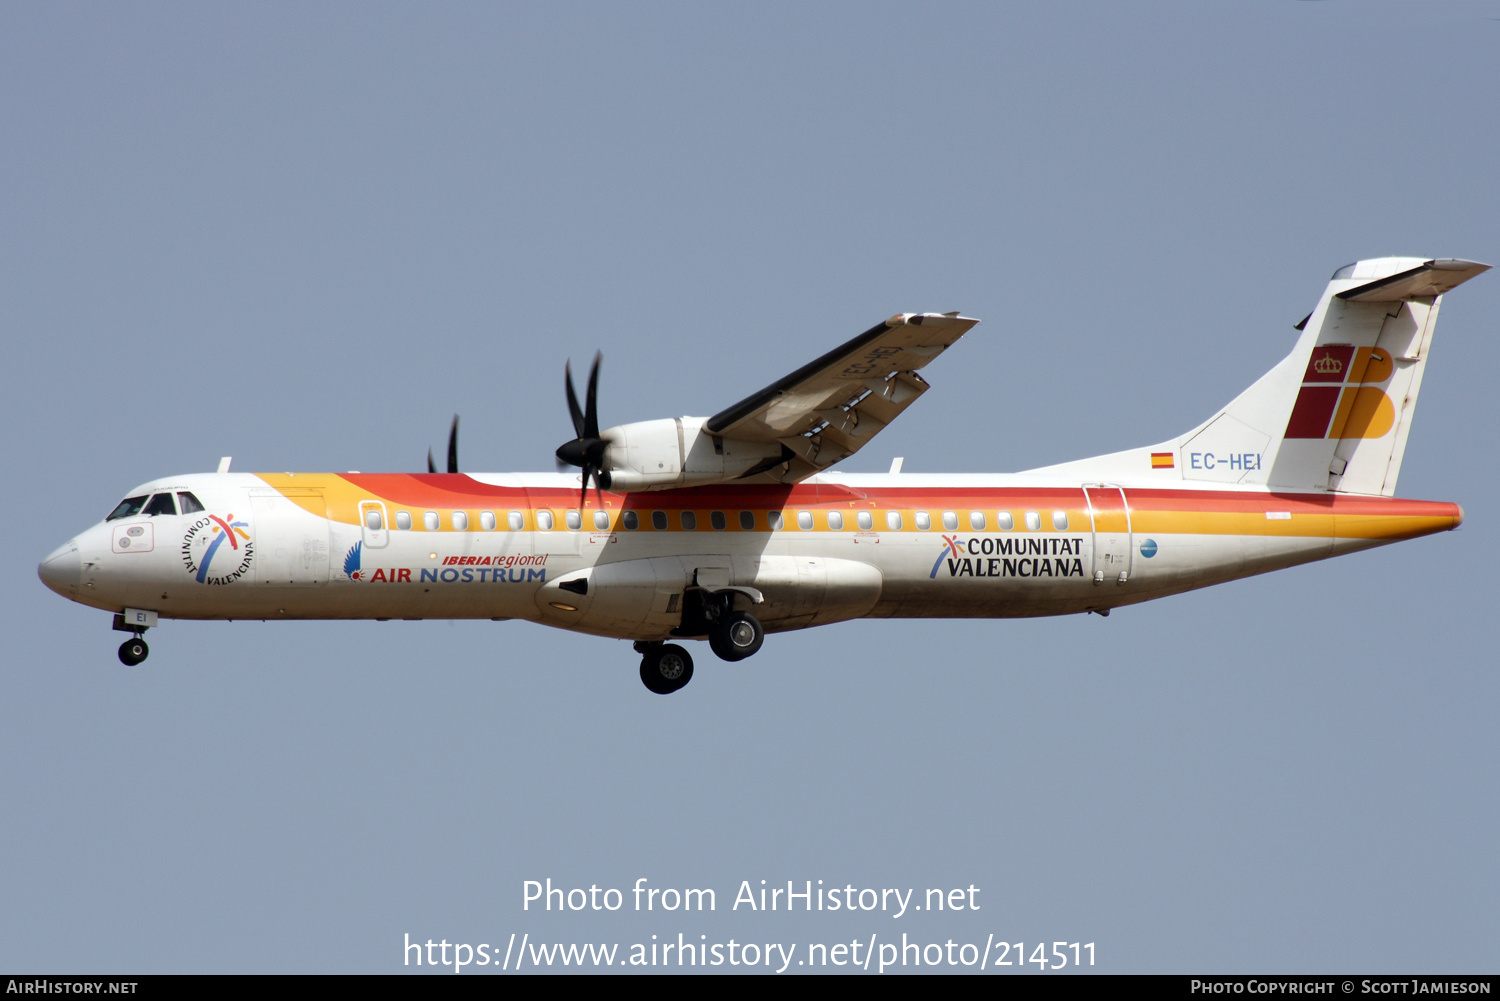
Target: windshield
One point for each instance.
(128, 507)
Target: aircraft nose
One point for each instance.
(62, 569)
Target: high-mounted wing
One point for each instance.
(829, 408)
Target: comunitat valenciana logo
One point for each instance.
(217, 550)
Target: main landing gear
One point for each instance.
(134, 650)
(733, 635)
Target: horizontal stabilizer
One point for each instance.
(1432, 278)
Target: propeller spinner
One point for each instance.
(587, 450)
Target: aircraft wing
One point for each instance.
(829, 408)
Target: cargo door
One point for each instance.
(291, 538)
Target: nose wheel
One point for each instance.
(666, 668)
(132, 652)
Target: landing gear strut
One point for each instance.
(665, 668)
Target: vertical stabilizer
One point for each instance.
(1332, 415)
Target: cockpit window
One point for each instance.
(188, 503)
(161, 504)
(129, 506)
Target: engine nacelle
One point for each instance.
(662, 454)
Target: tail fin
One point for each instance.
(1336, 412)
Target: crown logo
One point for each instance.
(1327, 365)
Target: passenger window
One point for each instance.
(487, 521)
(1060, 520)
(773, 518)
(373, 521)
(893, 520)
(747, 521)
(632, 521)
(924, 522)
(864, 521)
(950, 520)
(161, 504)
(1004, 521)
(516, 520)
(659, 520)
(403, 520)
(601, 520)
(573, 520)
(716, 519)
(836, 521)
(430, 521)
(804, 520)
(460, 521)
(187, 503)
(129, 506)
(544, 520)
(976, 520)
(1033, 521)
(689, 520)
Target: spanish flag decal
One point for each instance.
(1161, 460)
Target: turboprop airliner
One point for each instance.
(729, 527)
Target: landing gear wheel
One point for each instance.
(132, 652)
(665, 669)
(736, 636)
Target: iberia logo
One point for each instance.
(950, 549)
(205, 555)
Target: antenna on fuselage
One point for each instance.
(224, 464)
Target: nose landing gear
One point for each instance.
(135, 650)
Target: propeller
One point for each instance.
(587, 450)
(452, 450)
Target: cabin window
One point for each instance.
(689, 520)
(804, 520)
(129, 506)
(950, 520)
(161, 504)
(573, 519)
(976, 520)
(516, 520)
(864, 520)
(544, 520)
(1004, 521)
(601, 520)
(632, 521)
(1033, 521)
(893, 520)
(403, 520)
(460, 521)
(747, 521)
(1060, 520)
(717, 520)
(924, 521)
(430, 521)
(373, 521)
(835, 520)
(487, 521)
(187, 503)
(773, 518)
(659, 520)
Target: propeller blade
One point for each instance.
(452, 447)
(573, 408)
(591, 414)
(431, 468)
(583, 497)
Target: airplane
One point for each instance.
(732, 526)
